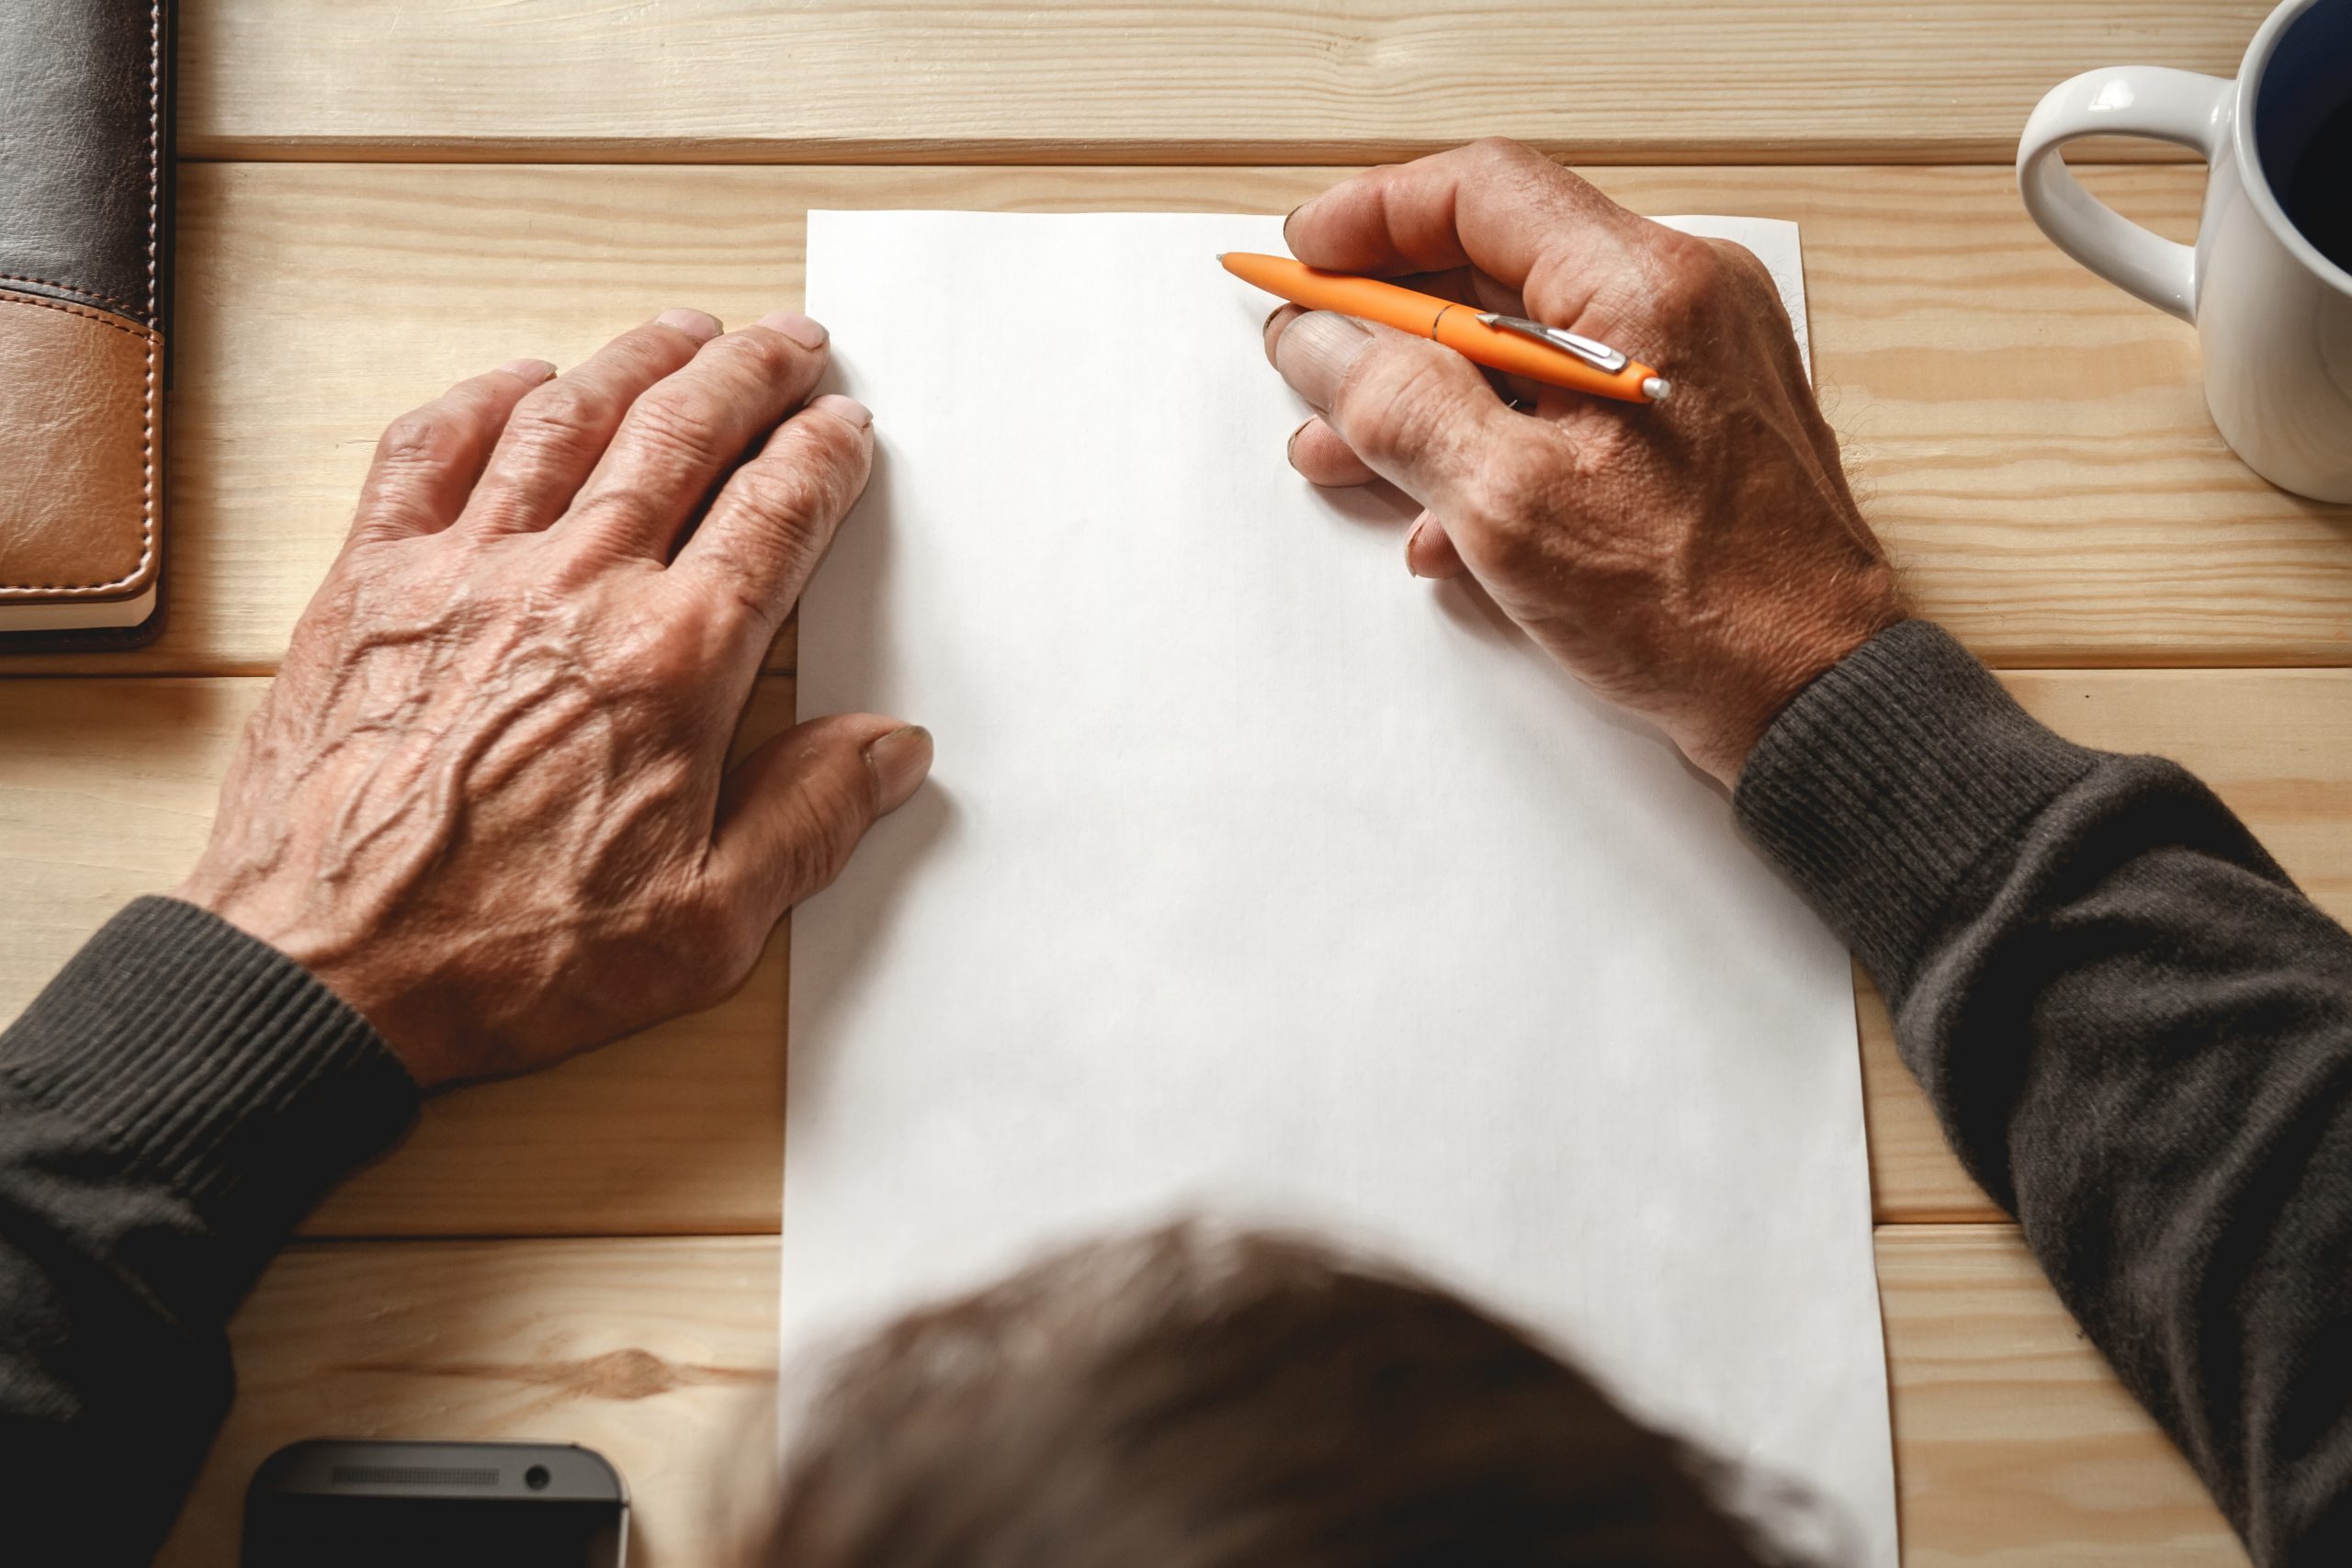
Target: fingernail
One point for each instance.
(698, 324)
(1413, 540)
(805, 331)
(529, 369)
(1317, 351)
(899, 760)
(1293, 213)
(1270, 338)
(844, 407)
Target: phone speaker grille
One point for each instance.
(413, 1476)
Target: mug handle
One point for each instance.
(2154, 101)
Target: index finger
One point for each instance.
(774, 517)
(1497, 206)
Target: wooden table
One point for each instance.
(382, 196)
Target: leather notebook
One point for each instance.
(85, 163)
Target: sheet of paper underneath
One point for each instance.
(1256, 876)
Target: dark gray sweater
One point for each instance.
(2137, 1032)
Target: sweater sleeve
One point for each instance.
(174, 1101)
(2136, 1031)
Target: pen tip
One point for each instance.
(1221, 256)
(1657, 389)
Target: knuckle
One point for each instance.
(799, 490)
(646, 353)
(769, 354)
(665, 662)
(644, 667)
(1393, 405)
(423, 437)
(1691, 274)
(824, 829)
(628, 502)
(681, 421)
(1737, 262)
(833, 457)
(1503, 152)
(1514, 485)
(562, 417)
(1708, 263)
(793, 506)
(1545, 186)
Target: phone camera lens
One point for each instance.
(536, 1478)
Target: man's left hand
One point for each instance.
(487, 800)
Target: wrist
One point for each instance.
(1882, 786)
(211, 1062)
(1790, 663)
(264, 911)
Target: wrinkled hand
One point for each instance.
(1699, 560)
(487, 799)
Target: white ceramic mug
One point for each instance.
(2273, 314)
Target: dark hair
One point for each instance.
(1198, 1398)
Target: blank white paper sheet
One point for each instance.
(1257, 877)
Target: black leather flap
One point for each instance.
(85, 152)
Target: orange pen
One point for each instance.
(1510, 343)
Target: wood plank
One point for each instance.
(1915, 1177)
(1139, 81)
(2272, 744)
(107, 792)
(2031, 442)
(659, 1355)
(2013, 1444)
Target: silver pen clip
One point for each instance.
(1600, 355)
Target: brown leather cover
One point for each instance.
(78, 453)
(85, 283)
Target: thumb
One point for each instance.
(793, 810)
(1418, 414)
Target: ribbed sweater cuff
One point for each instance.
(210, 1062)
(1890, 781)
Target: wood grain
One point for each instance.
(2013, 1444)
(1139, 81)
(2031, 442)
(659, 1355)
(108, 793)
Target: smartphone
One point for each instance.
(328, 1503)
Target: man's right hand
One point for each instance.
(1699, 560)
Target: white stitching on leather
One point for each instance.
(89, 296)
(147, 442)
(118, 323)
(154, 141)
(155, 342)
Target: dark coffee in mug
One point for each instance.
(2303, 127)
(2317, 190)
